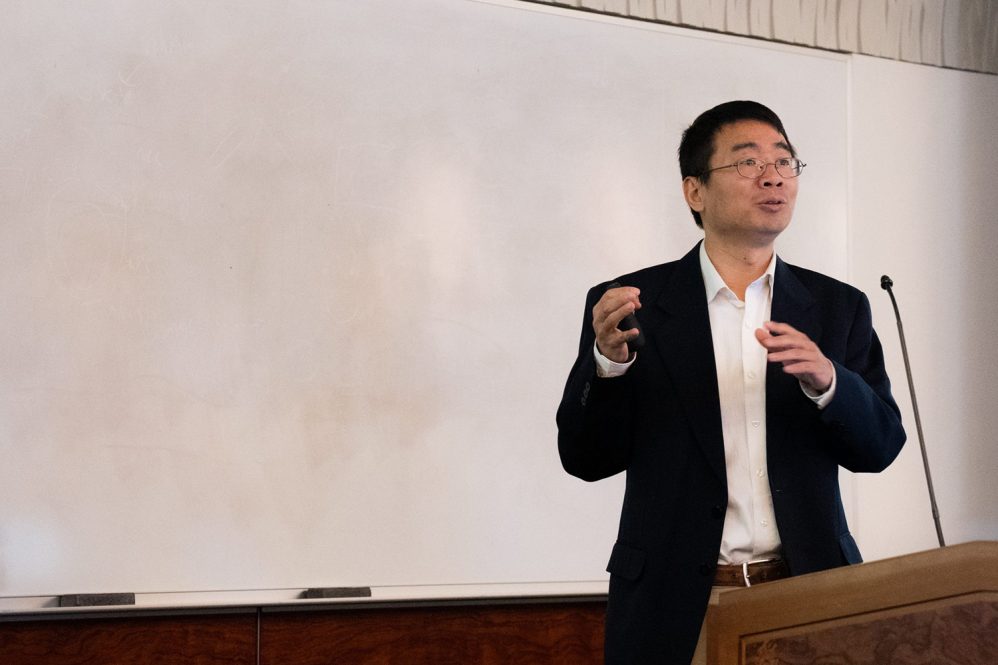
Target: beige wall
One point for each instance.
(923, 210)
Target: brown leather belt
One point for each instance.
(748, 574)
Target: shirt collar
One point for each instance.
(714, 284)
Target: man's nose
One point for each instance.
(771, 177)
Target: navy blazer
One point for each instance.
(661, 422)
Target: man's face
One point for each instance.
(739, 208)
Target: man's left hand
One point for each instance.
(800, 356)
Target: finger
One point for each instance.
(612, 332)
(778, 344)
(620, 294)
(621, 313)
(630, 334)
(788, 346)
(614, 299)
(613, 343)
(777, 333)
(607, 332)
(793, 356)
(778, 328)
(794, 340)
(803, 367)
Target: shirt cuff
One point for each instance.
(608, 369)
(821, 399)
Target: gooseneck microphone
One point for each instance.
(886, 283)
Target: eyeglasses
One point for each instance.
(787, 167)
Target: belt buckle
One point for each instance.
(745, 574)
(745, 569)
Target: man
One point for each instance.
(756, 381)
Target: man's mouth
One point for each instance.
(773, 204)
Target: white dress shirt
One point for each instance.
(750, 530)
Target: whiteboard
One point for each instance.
(290, 290)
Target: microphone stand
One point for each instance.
(886, 283)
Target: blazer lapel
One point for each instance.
(688, 355)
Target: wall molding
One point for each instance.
(955, 34)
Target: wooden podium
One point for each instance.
(932, 608)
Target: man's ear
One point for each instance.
(693, 193)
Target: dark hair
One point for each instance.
(697, 145)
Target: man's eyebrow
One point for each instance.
(782, 145)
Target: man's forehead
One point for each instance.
(749, 134)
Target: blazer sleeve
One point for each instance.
(863, 418)
(594, 423)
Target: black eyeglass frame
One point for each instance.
(752, 162)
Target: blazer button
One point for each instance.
(717, 512)
(706, 569)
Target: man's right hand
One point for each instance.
(607, 315)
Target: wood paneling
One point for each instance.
(952, 631)
(555, 634)
(937, 607)
(175, 640)
(544, 633)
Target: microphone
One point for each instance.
(886, 283)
